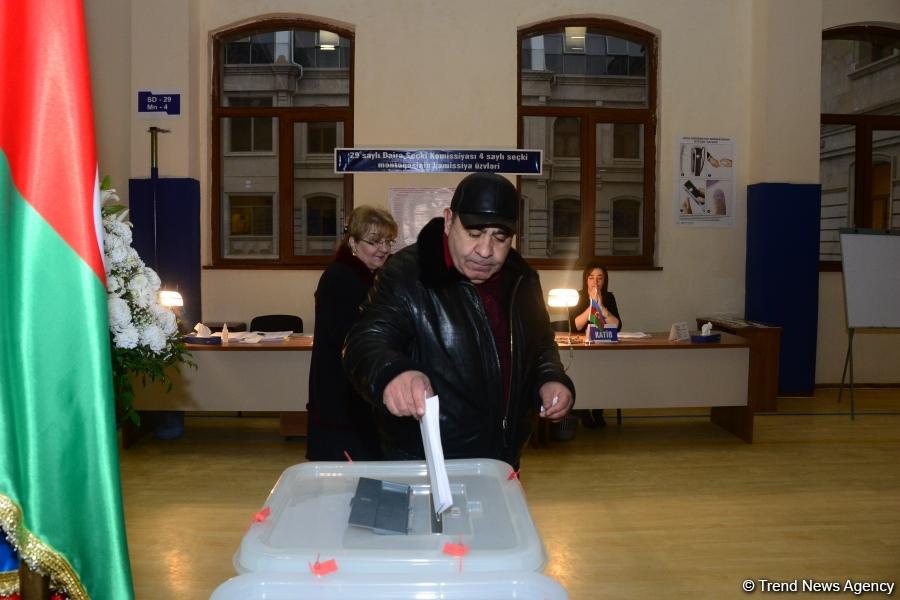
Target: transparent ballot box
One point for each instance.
(309, 511)
(393, 586)
(484, 547)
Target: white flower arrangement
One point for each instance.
(144, 334)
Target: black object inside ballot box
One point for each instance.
(381, 506)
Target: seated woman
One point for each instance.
(595, 283)
(341, 423)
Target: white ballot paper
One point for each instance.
(441, 496)
(633, 335)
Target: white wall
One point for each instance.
(786, 54)
(159, 63)
(108, 31)
(431, 73)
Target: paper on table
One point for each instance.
(251, 338)
(441, 496)
(272, 336)
(632, 335)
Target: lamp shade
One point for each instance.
(170, 298)
(562, 297)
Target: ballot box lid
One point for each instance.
(394, 586)
(305, 520)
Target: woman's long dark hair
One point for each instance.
(587, 271)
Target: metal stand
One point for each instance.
(569, 342)
(154, 183)
(849, 362)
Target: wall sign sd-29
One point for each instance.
(149, 102)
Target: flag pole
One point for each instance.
(32, 585)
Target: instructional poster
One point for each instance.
(412, 208)
(705, 188)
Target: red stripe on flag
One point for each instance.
(46, 120)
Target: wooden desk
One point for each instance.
(655, 373)
(765, 346)
(274, 377)
(268, 376)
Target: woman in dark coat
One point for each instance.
(340, 422)
(595, 282)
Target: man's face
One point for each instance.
(477, 253)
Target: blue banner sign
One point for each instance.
(401, 160)
(169, 104)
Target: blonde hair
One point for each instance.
(366, 218)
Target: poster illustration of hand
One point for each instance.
(705, 188)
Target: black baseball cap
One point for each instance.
(486, 200)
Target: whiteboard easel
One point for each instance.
(871, 286)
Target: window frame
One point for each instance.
(864, 124)
(273, 196)
(283, 135)
(590, 117)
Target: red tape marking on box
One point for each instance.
(323, 568)
(262, 515)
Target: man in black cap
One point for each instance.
(460, 314)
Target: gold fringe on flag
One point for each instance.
(36, 554)
(9, 583)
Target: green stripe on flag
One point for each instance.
(57, 417)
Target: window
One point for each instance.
(282, 103)
(321, 49)
(873, 51)
(321, 217)
(566, 137)
(321, 138)
(565, 227)
(626, 140)
(316, 224)
(255, 49)
(626, 233)
(251, 223)
(587, 98)
(249, 134)
(859, 147)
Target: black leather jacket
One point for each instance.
(423, 316)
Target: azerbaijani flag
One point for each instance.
(60, 498)
(596, 316)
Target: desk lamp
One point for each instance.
(170, 299)
(173, 300)
(563, 298)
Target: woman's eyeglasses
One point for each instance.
(384, 243)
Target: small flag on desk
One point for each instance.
(596, 317)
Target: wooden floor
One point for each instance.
(661, 507)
